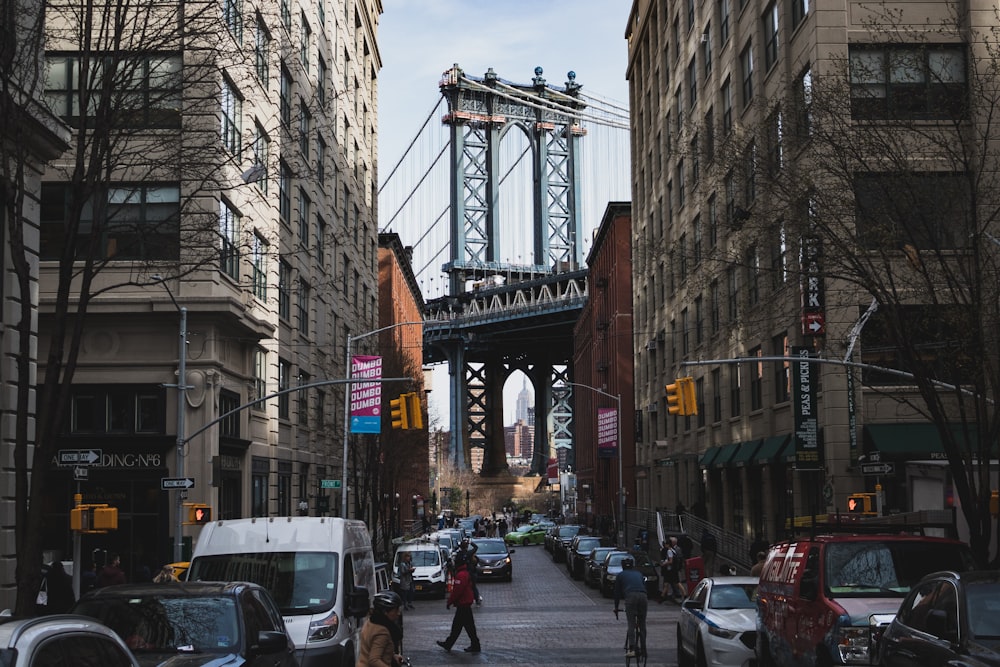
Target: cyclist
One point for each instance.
(630, 586)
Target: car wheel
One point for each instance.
(683, 659)
(702, 660)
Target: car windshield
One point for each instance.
(585, 545)
(421, 557)
(733, 596)
(300, 582)
(491, 547)
(525, 529)
(568, 531)
(599, 554)
(888, 567)
(154, 623)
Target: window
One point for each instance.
(697, 242)
(715, 317)
(146, 90)
(716, 395)
(750, 173)
(800, 8)
(692, 75)
(803, 103)
(284, 290)
(305, 297)
(746, 70)
(286, 15)
(727, 107)
(774, 138)
(699, 320)
(261, 154)
(285, 96)
(229, 229)
(782, 370)
(285, 193)
(305, 125)
(262, 52)
(259, 379)
(779, 258)
(685, 334)
(259, 277)
(682, 265)
(734, 294)
(753, 275)
(735, 392)
(320, 160)
(229, 427)
(729, 188)
(709, 131)
(305, 211)
(706, 50)
(259, 474)
(321, 241)
(724, 9)
(305, 38)
(713, 221)
(940, 336)
(770, 21)
(284, 499)
(321, 75)
(690, 14)
(695, 162)
(681, 184)
(141, 222)
(232, 117)
(922, 210)
(232, 14)
(756, 380)
(120, 409)
(284, 382)
(908, 82)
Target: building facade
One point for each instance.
(238, 242)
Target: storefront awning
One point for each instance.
(771, 450)
(745, 454)
(911, 441)
(725, 454)
(706, 459)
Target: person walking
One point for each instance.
(405, 573)
(461, 598)
(630, 586)
(59, 585)
(670, 569)
(759, 565)
(111, 573)
(382, 636)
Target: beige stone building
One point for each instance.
(721, 92)
(242, 212)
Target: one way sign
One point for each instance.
(80, 457)
(176, 483)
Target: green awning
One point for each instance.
(706, 459)
(726, 453)
(744, 455)
(771, 449)
(911, 441)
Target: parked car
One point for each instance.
(949, 618)
(550, 536)
(527, 534)
(826, 599)
(578, 551)
(718, 623)
(430, 566)
(592, 570)
(207, 622)
(61, 639)
(613, 565)
(561, 539)
(493, 559)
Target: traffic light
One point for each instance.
(93, 518)
(675, 398)
(415, 410)
(398, 412)
(199, 514)
(690, 401)
(860, 503)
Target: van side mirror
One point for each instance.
(358, 602)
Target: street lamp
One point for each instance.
(347, 408)
(618, 435)
(182, 388)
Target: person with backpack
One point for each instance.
(671, 564)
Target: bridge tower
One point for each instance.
(478, 321)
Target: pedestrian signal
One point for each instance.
(199, 514)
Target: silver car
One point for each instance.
(63, 639)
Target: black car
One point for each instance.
(592, 568)
(194, 623)
(493, 559)
(561, 540)
(613, 565)
(949, 618)
(578, 552)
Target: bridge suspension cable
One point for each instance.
(410, 147)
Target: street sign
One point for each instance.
(329, 483)
(81, 457)
(176, 483)
(877, 468)
(80, 473)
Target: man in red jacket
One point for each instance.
(462, 597)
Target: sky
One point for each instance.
(419, 39)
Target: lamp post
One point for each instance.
(622, 533)
(182, 388)
(347, 408)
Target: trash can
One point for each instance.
(694, 571)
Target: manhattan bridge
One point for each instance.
(499, 194)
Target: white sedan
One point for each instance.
(718, 623)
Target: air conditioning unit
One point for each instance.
(651, 407)
(704, 38)
(651, 345)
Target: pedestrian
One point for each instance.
(60, 590)
(382, 635)
(165, 575)
(759, 565)
(630, 586)
(88, 578)
(467, 550)
(462, 597)
(405, 573)
(670, 569)
(111, 573)
(709, 549)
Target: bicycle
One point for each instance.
(639, 641)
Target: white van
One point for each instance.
(430, 566)
(320, 571)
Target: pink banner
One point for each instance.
(607, 432)
(366, 397)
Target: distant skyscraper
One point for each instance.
(524, 400)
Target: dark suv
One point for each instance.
(208, 623)
(561, 539)
(578, 552)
